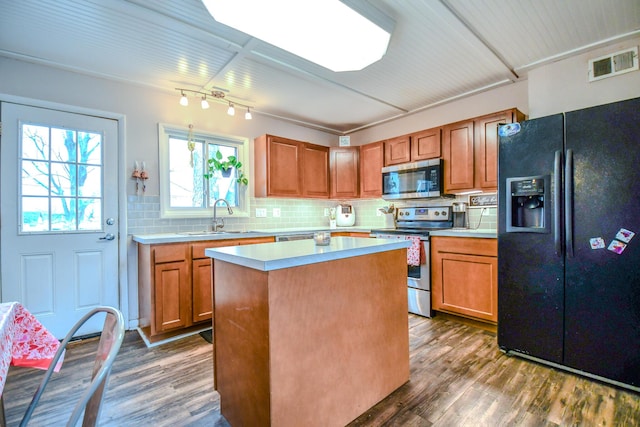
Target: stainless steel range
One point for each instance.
(417, 222)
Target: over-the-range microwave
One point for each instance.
(415, 180)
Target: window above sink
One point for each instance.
(184, 190)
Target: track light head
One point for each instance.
(231, 110)
(184, 101)
(204, 103)
(247, 115)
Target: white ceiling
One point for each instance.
(440, 50)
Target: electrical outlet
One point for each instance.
(326, 211)
(276, 212)
(261, 212)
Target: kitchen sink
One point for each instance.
(211, 233)
(201, 233)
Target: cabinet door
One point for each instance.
(464, 274)
(284, 157)
(371, 163)
(469, 286)
(486, 147)
(202, 290)
(345, 168)
(397, 150)
(172, 298)
(458, 156)
(425, 145)
(315, 171)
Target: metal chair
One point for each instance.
(108, 347)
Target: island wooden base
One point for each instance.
(315, 345)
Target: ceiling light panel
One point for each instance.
(326, 32)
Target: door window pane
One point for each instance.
(62, 167)
(35, 142)
(35, 178)
(63, 145)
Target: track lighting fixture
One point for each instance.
(216, 94)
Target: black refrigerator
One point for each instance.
(569, 241)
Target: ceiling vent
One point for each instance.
(613, 64)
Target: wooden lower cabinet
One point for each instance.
(172, 296)
(464, 276)
(202, 309)
(174, 284)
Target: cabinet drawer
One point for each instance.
(197, 249)
(256, 240)
(170, 253)
(465, 245)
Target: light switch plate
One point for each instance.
(261, 212)
(276, 212)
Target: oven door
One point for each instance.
(420, 276)
(418, 279)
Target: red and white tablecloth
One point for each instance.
(24, 341)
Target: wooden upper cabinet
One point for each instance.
(345, 172)
(278, 166)
(458, 156)
(486, 147)
(425, 145)
(289, 168)
(397, 150)
(371, 163)
(414, 147)
(315, 171)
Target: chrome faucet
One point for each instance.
(217, 225)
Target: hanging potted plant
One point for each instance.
(225, 167)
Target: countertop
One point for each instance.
(275, 256)
(195, 236)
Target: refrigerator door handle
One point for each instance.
(568, 203)
(557, 198)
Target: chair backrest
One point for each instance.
(108, 347)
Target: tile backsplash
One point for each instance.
(143, 215)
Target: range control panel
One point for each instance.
(435, 213)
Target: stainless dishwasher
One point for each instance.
(289, 237)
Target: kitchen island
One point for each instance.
(309, 335)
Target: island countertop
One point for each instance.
(275, 256)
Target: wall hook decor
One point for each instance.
(140, 175)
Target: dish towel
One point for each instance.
(415, 253)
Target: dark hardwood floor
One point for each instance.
(458, 378)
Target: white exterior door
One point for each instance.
(59, 212)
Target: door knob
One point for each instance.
(108, 236)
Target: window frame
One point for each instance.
(165, 131)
